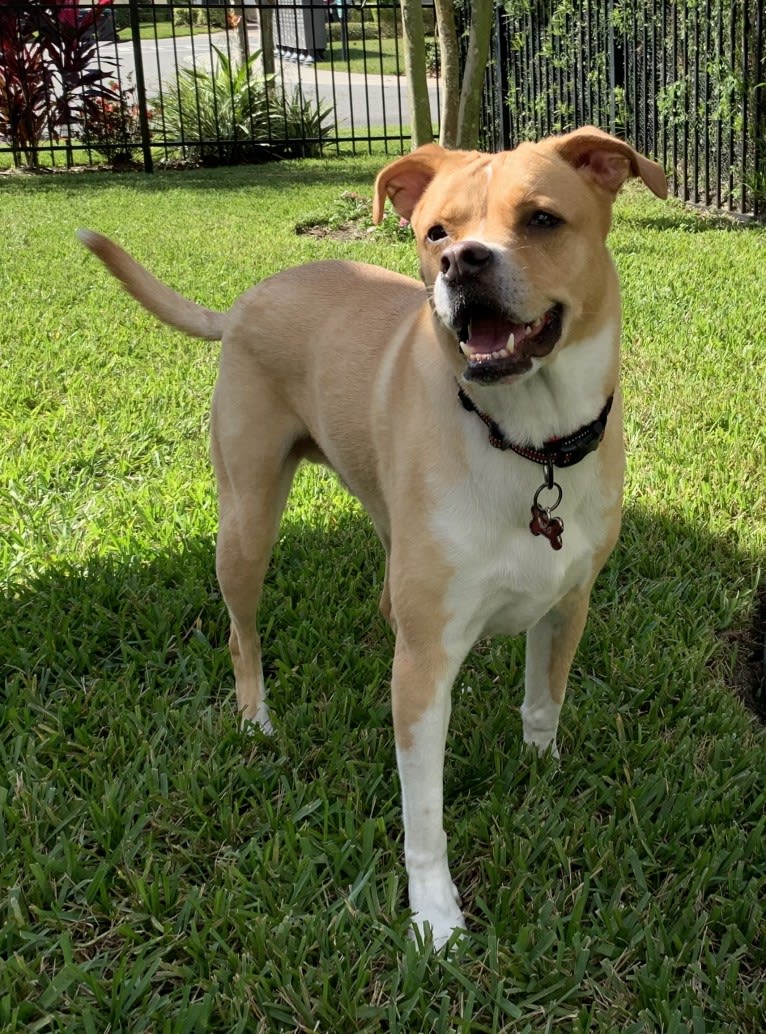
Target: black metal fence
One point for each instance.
(143, 82)
(684, 80)
(219, 81)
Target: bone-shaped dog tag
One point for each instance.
(552, 528)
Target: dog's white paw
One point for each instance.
(440, 930)
(542, 743)
(539, 725)
(436, 911)
(260, 720)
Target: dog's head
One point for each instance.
(512, 245)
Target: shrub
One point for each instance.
(48, 76)
(112, 127)
(298, 126)
(214, 17)
(146, 15)
(231, 115)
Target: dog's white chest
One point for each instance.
(505, 579)
(516, 590)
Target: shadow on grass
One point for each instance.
(234, 178)
(147, 837)
(671, 603)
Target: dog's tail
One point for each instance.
(155, 296)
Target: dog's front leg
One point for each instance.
(551, 646)
(421, 688)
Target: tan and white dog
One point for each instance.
(461, 414)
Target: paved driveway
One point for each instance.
(364, 102)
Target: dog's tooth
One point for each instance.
(465, 349)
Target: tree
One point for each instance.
(469, 114)
(413, 32)
(461, 108)
(449, 62)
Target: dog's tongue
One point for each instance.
(490, 335)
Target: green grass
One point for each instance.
(165, 30)
(159, 870)
(372, 56)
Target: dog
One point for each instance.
(475, 414)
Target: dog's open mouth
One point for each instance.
(495, 346)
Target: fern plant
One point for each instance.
(232, 114)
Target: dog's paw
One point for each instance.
(261, 721)
(439, 929)
(436, 915)
(539, 726)
(543, 743)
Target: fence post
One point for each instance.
(143, 118)
(501, 77)
(611, 58)
(759, 119)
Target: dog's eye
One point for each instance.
(436, 233)
(542, 220)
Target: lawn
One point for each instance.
(371, 56)
(164, 30)
(160, 871)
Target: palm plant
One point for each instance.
(232, 114)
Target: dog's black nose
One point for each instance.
(464, 260)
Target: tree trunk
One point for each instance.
(242, 40)
(266, 20)
(473, 75)
(421, 129)
(449, 60)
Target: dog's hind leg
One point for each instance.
(255, 463)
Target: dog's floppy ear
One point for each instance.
(405, 180)
(609, 161)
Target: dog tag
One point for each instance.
(552, 528)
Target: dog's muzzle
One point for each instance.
(497, 346)
(497, 343)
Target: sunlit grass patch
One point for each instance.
(161, 871)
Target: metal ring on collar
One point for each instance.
(555, 487)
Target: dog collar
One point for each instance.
(555, 452)
(559, 452)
